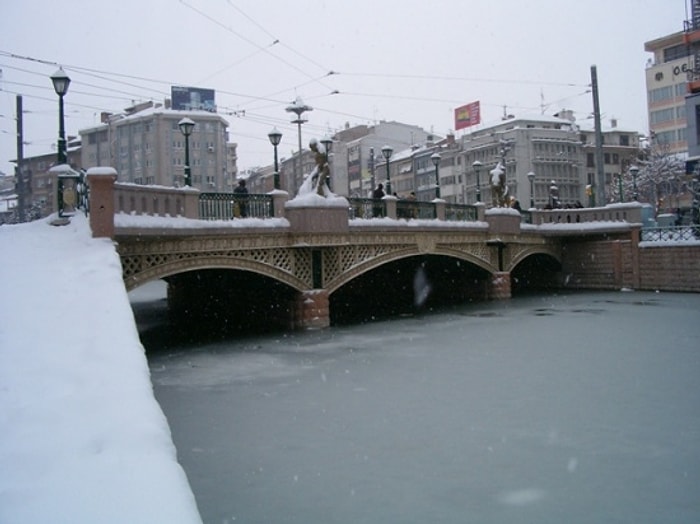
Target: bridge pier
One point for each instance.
(499, 286)
(311, 309)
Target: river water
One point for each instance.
(576, 408)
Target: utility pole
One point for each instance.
(371, 171)
(20, 182)
(599, 189)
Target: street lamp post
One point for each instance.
(531, 178)
(275, 137)
(298, 107)
(435, 157)
(387, 151)
(634, 170)
(327, 146)
(186, 126)
(619, 187)
(60, 84)
(477, 166)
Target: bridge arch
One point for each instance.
(378, 261)
(168, 269)
(529, 251)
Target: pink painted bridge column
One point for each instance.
(101, 181)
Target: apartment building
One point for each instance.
(667, 75)
(145, 146)
(621, 149)
(548, 146)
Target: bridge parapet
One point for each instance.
(628, 212)
(156, 200)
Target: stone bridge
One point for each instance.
(309, 254)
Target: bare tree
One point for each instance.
(661, 176)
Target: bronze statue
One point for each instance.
(322, 171)
(499, 189)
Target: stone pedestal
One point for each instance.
(503, 221)
(311, 310)
(318, 218)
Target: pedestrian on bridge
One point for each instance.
(240, 208)
(378, 194)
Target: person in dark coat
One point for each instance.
(378, 194)
(241, 197)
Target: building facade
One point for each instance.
(667, 75)
(145, 146)
(549, 147)
(621, 150)
(36, 186)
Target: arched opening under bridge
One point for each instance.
(216, 303)
(408, 286)
(536, 273)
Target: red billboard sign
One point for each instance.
(467, 115)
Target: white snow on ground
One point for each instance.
(83, 438)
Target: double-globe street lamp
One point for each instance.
(298, 107)
(186, 126)
(387, 151)
(477, 166)
(275, 137)
(435, 157)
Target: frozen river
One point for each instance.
(543, 409)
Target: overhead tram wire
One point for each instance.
(247, 40)
(237, 62)
(259, 26)
(465, 79)
(95, 72)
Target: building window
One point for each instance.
(676, 52)
(661, 94)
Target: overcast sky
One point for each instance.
(356, 61)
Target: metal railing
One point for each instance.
(670, 234)
(460, 213)
(366, 208)
(414, 209)
(226, 206)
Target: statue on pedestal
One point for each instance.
(499, 189)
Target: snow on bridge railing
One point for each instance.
(627, 212)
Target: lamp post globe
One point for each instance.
(275, 137)
(531, 178)
(61, 81)
(477, 167)
(387, 151)
(435, 158)
(327, 143)
(634, 171)
(186, 126)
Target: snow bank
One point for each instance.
(83, 438)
